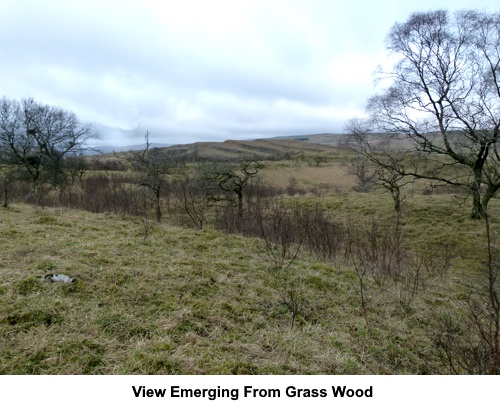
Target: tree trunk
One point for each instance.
(32, 198)
(158, 206)
(396, 196)
(240, 205)
(480, 202)
(478, 205)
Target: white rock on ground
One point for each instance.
(61, 278)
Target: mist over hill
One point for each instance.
(111, 140)
(105, 149)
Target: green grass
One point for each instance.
(193, 302)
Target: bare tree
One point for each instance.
(316, 160)
(37, 138)
(283, 229)
(443, 106)
(154, 166)
(233, 178)
(76, 167)
(363, 170)
(394, 182)
(195, 202)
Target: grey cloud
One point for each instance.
(197, 70)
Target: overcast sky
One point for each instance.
(201, 70)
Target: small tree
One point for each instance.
(154, 166)
(194, 198)
(361, 168)
(76, 166)
(283, 229)
(316, 160)
(231, 178)
(392, 181)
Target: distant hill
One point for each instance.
(321, 139)
(261, 148)
(234, 149)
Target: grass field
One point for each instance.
(191, 302)
(186, 301)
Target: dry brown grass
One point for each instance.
(328, 177)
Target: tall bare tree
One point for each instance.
(443, 106)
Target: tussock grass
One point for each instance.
(192, 302)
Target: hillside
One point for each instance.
(190, 301)
(321, 139)
(260, 148)
(263, 148)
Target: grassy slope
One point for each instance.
(327, 176)
(233, 149)
(188, 302)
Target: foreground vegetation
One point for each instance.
(187, 301)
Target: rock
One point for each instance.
(58, 278)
